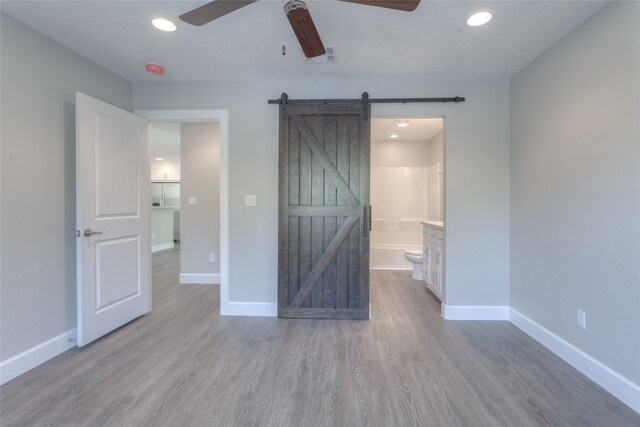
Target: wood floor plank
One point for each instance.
(184, 365)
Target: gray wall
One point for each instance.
(200, 177)
(477, 166)
(39, 78)
(575, 180)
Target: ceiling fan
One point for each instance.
(297, 13)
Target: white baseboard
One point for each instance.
(199, 279)
(474, 312)
(601, 374)
(162, 247)
(263, 309)
(29, 359)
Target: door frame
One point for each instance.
(221, 116)
(401, 113)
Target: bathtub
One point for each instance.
(389, 239)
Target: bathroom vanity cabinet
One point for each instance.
(433, 256)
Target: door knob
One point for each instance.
(88, 232)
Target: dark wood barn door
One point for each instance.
(324, 212)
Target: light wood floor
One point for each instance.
(184, 365)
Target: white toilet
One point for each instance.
(416, 258)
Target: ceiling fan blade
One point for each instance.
(213, 10)
(305, 30)
(405, 5)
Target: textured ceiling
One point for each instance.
(432, 41)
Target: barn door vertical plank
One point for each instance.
(316, 123)
(283, 208)
(354, 236)
(330, 199)
(305, 221)
(342, 163)
(294, 221)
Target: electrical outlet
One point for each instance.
(212, 258)
(582, 319)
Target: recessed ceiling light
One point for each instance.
(163, 24)
(402, 123)
(479, 18)
(394, 136)
(158, 158)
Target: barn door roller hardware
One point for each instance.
(284, 99)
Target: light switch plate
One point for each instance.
(250, 200)
(582, 319)
(193, 201)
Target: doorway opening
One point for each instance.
(407, 194)
(185, 160)
(203, 192)
(165, 185)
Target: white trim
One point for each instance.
(263, 309)
(199, 279)
(161, 247)
(29, 359)
(616, 384)
(221, 116)
(474, 312)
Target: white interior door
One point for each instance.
(112, 199)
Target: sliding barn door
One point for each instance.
(324, 212)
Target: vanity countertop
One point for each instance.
(438, 225)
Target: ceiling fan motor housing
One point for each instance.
(293, 5)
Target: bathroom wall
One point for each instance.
(435, 175)
(399, 179)
(399, 200)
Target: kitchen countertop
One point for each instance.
(438, 225)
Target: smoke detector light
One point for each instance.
(394, 136)
(155, 68)
(163, 24)
(479, 18)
